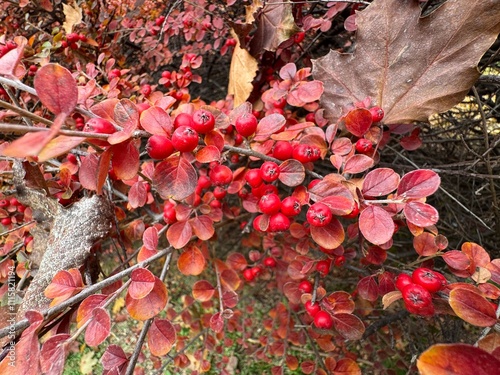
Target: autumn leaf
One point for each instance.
(401, 59)
(73, 16)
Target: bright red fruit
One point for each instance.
(270, 204)
(219, 192)
(269, 171)
(323, 267)
(248, 274)
(185, 139)
(354, 213)
(299, 37)
(323, 320)
(290, 206)
(339, 261)
(305, 286)
(72, 38)
(253, 177)
(363, 146)
(203, 121)
(169, 214)
(6, 221)
(431, 280)
(146, 90)
(319, 215)
(256, 223)
(311, 309)
(183, 119)
(221, 175)
(246, 124)
(269, 262)
(283, 150)
(402, 281)
(278, 223)
(416, 296)
(99, 125)
(306, 153)
(159, 147)
(114, 73)
(377, 114)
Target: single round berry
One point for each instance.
(269, 262)
(203, 121)
(159, 147)
(363, 146)
(354, 213)
(4, 203)
(183, 119)
(115, 73)
(416, 296)
(219, 192)
(313, 183)
(269, 171)
(299, 37)
(146, 90)
(248, 274)
(319, 215)
(311, 309)
(253, 177)
(306, 153)
(377, 114)
(256, 271)
(278, 223)
(73, 38)
(6, 221)
(283, 150)
(305, 286)
(203, 182)
(402, 281)
(290, 206)
(339, 261)
(246, 124)
(221, 175)
(269, 204)
(310, 117)
(99, 125)
(185, 139)
(280, 103)
(431, 280)
(169, 214)
(323, 267)
(323, 320)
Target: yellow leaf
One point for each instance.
(118, 305)
(73, 17)
(241, 74)
(88, 363)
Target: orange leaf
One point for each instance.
(191, 262)
(472, 307)
(203, 291)
(161, 337)
(143, 282)
(147, 307)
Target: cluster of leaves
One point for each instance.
(177, 208)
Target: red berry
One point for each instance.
(283, 150)
(114, 73)
(299, 37)
(99, 125)
(313, 183)
(246, 124)
(305, 286)
(323, 320)
(269, 171)
(6, 221)
(416, 297)
(248, 274)
(310, 117)
(72, 38)
(323, 267)
(253, 177)
(72, 159)
(166, 74)
(159, 147)
(264, 189)
(215, 204)
(255, 271)
(280, 103)
(4, 203)
(204, 182)
(159, 20)
(306, 153)
(185, 139)
(146, 90)
(339, 261)
(402, 281)
(354, 213)
(82, 37)
(363, 146)
(269, 262)
(278, 223)
(219, 192)
(319, 215)
(27, 240)
(221, 175)
(141, 107)
(429, 279)
(270, 204)
(203, 121)
(377, 114)
(290, 206)
(14, 202)
(311, 309)
(169, 214)
(183, 119)
(238, 139)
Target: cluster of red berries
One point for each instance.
(417, 289)
(304, 153)
(363, 145)
(11, 211)
(322, 319)
(8, 46)
(72, 40)
(249, 274)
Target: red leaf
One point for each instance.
(87, 306)
(230, 280)
(126, 115)
(56, 88)
(53, 354)
(114, 358)
(411, 143)
(368, 289)
(349, 326)
(191, 262)
(292, 173)
(64, 285)
(58, 146)
(150, 238)
(137, 195)
(476, 253)
(457, 260)
(338, 302)
(268, 126)
(105, 109)
(203, 227)
(175, 178)
(203, 291)
(9, 62)
(358, 163)
(156, 121)
(147, 307)
(419, 184)
(161, 337)
(125, 160)
(380, 181)
(208, 154)
(88, 172)
(103, 169)
(330, 236)
(99, 327)
(375, 255)
(236, 261)
(217, 323)
(179, 234)
(472, 307)
(339, 204)
(143, 282)
(494, 268)
(425, 244)
(376, 225)
(358, 121)
(457, 359)
(421, 214)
